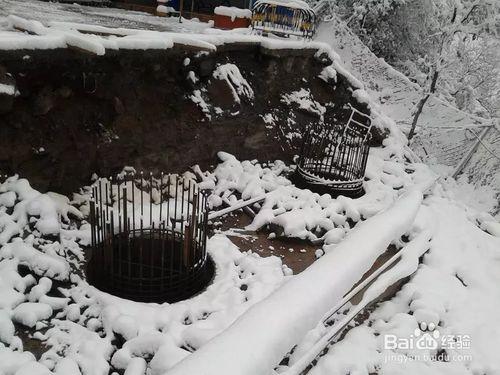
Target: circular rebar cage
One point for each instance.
(333, 158)
(148, 238)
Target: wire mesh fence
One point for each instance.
(148, 238)
(442, 146)
(469, 151)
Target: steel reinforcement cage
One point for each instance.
(148, 238)
(333, 158)
(273, 17)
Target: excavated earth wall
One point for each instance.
(77, 114)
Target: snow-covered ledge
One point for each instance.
(233, 12)
(95, 39)
(261, 337)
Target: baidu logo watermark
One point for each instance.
(428, 339)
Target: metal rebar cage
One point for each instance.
(148, 238)
(333, 158)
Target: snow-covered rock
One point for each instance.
(29, 313)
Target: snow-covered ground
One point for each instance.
(441, 139)
(108, 17)
(79, 324)
(454, 292)
(83, 322)
(448, 306)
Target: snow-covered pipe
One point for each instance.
(236, 206)
(407, 265)
(256, 342)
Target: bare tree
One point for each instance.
(454, 20)
(449, 47)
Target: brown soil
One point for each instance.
(299, 261)
(79, 114)
(30, 344)
(295, 253)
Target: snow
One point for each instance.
(12, 361)
(192, 76)
(198, 99)
(408, 264)
(306, 215)
(40, 263)
(8, 90)
(361, 96)
(237, 83)
(45, 209)
(106, 17)
(252, 180)
(33, 368)
(29, 313)
(14, 41)
(6, 328)
(233, 12)
(67, 367)
(9, 296)
(151, 330)
(454, 287)
(57, 303)
(89, 320)
(436, 295)
(385, 172)
(42, 288)
(67, 35)
(480, 198)
(164, 9)
(441, 139)
(351, 79)
(140, 324)
(492, 228)
(51, 34)
(305, 101)
(137, 366)
(8, 199)
(298, 305)
(88, 350)
(328, 73)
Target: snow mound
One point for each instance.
(30, 313)
(238, 84)
(233, 12)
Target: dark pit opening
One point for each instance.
(149, 268)
(149, 239)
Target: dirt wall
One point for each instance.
(78, 114)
